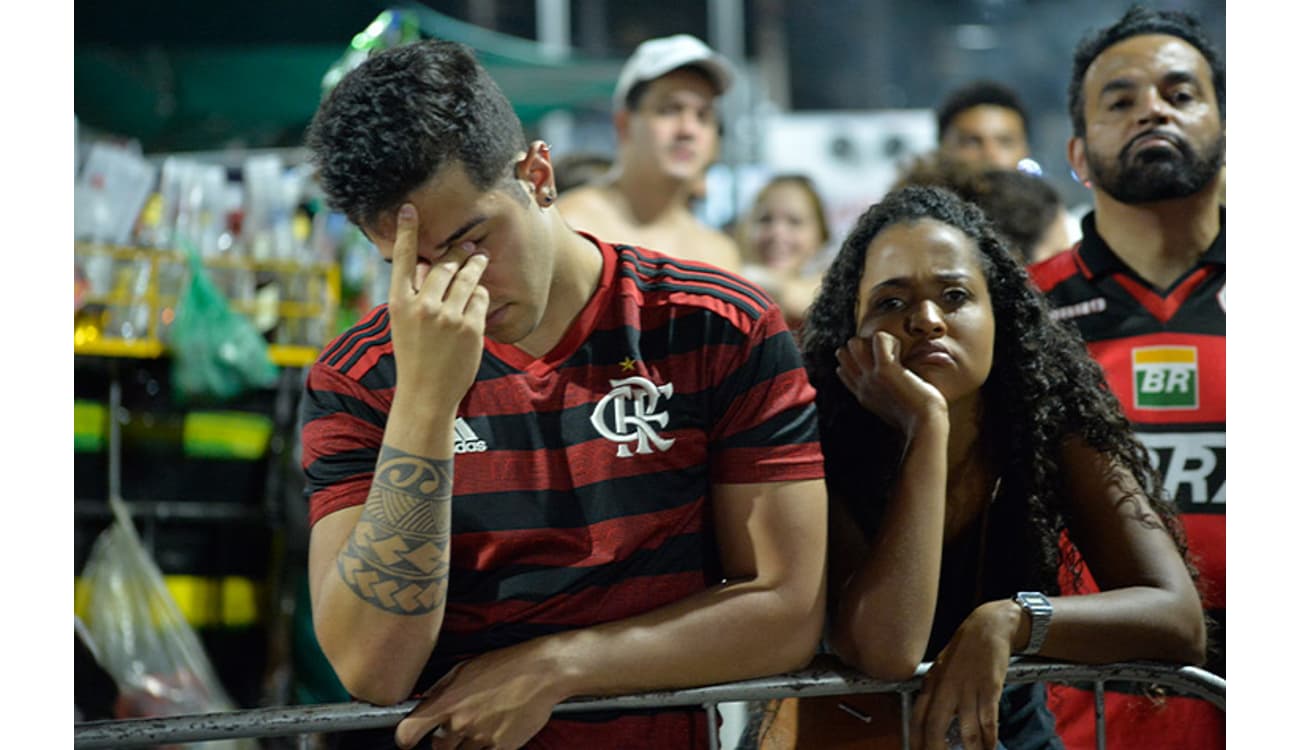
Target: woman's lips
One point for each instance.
(929, 354)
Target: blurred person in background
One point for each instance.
(579, 168)
(1025, 208)
(1147, 289)
(984, 123)
(668, 134)
(550, 466)
(780, 239)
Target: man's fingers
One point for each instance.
(414, 727)
(426, 717)
(405, 250)
(463, 283)
(479, 301)
(442, 739)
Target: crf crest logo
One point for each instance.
(628, 413)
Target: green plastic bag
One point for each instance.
(217, 354)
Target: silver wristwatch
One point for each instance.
(1039, 610)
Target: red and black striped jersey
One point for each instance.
(1164, 354)
(582, 478)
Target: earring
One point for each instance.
(547, 198)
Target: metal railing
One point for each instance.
(338, 717)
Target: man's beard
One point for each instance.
(1156, 175)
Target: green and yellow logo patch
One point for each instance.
(1164, 377)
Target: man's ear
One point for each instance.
(535, 168)
(1075, 151)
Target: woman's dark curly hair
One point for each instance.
(1043, 388)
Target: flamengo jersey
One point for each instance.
(1165, 359)
(582, 478)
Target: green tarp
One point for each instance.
(188, 97)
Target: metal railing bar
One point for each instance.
(338, 717)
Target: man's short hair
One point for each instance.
(1140, 21)
(402, 116)
(975, 94)
(656, 58)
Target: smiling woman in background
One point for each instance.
(779, 240)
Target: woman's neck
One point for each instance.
(970, 476)
(964, 420)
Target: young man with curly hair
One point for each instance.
(549, 466)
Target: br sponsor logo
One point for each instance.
(1164, 377)
(465, 440)
(1194, 467)
(629, 414)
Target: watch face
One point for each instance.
(1039, 610)
(1034, 601)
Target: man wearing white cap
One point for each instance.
(667, 134)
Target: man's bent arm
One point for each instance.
(379, 571)
(765, 618)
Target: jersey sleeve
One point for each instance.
(767, 431)
(342, 429)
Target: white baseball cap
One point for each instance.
(657, 57)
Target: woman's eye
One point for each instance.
(888, 304)
(956, 295)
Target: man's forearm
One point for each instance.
(382, 606)
(396, 559)
(734, 631)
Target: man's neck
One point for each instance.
(577, 272)
(1160, 241)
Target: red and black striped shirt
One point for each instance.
(582, 478)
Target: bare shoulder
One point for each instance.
(719, 249)
(585, 207)
(579, 197)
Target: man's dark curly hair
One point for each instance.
(403, 115)
(1139, 21)
(978, 93)
(1043, 389)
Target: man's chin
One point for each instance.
(682, 171)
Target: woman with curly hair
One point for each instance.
(964, 430)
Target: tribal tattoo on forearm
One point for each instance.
(397, 557)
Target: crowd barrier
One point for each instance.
(836, 680)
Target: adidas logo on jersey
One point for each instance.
(466, 441)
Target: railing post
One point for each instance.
(905, 711)
(711, 715)
(1099, 711)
